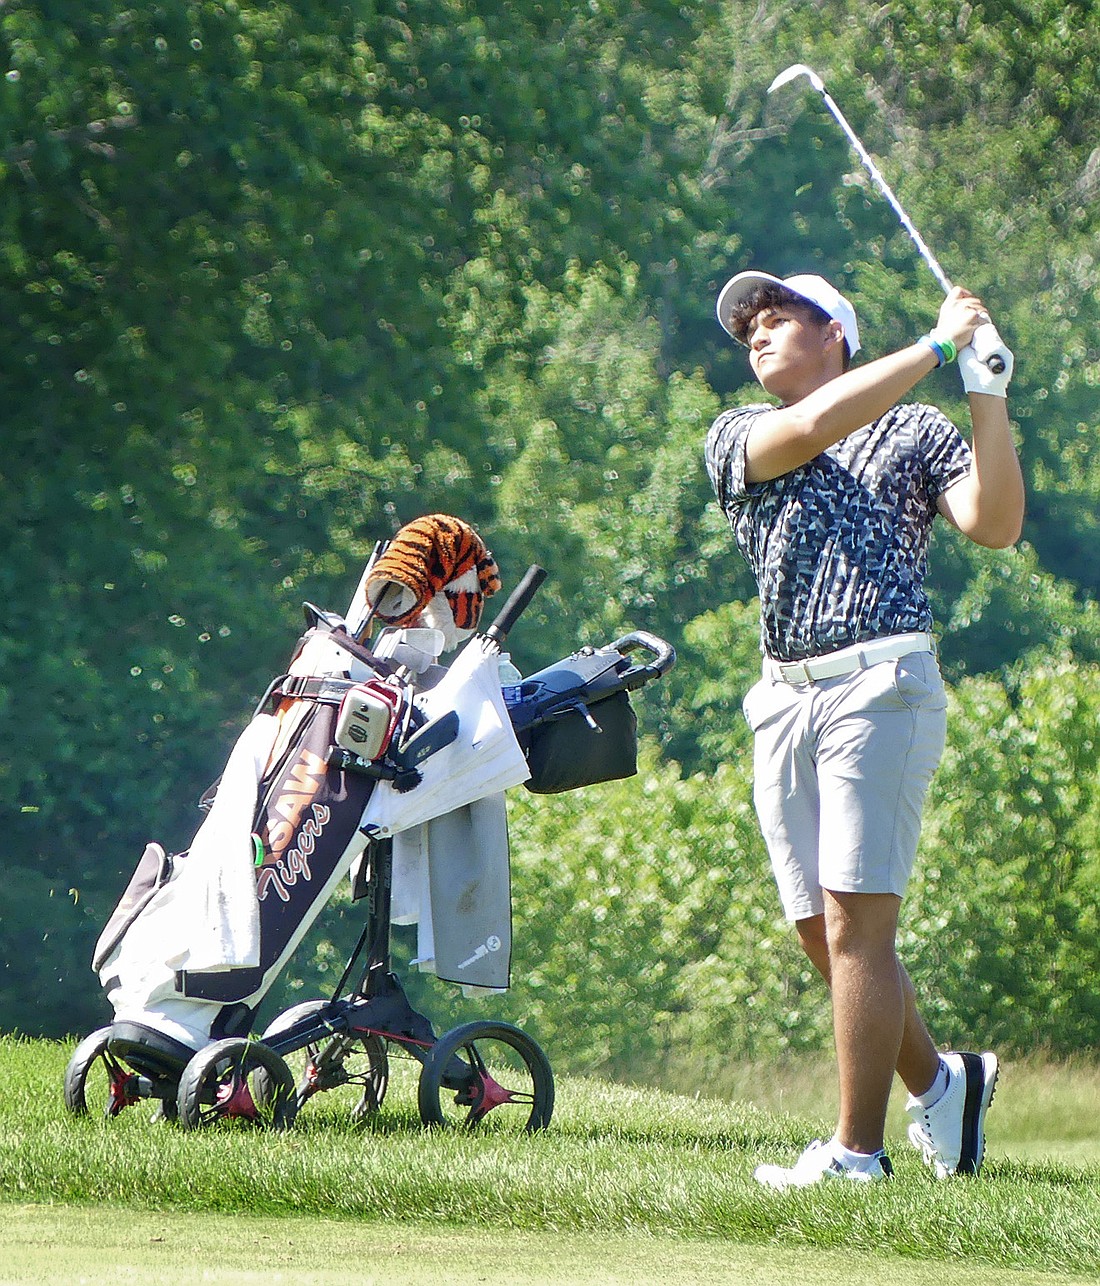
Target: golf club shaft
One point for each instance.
(986, 342)
(888, 192)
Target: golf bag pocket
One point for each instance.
(368, 716)
(587, 745)
(154, 870)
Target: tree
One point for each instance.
(283, 277)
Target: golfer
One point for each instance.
(831, 494)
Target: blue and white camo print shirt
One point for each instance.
(839, 546)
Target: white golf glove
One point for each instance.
(973, 365)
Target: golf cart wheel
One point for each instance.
(354, 1064)
(220, 1084)
(95, 1082)
(487, 1075)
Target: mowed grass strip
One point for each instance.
(51, 1244)
(617, 1161)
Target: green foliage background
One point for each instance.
(279, 278)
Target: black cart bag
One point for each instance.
(574, 719)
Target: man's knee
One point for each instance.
(860, 922)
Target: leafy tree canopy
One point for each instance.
(279, 278)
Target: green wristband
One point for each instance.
(941, 345)
(950, 352)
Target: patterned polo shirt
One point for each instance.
(839, 546)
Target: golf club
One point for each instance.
(987, 343)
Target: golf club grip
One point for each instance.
(517, 602)
(989, 347)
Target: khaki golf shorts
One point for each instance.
(841, 769)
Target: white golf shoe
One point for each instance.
(818, 1164)
(950, 1134)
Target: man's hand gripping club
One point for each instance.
(962, 318)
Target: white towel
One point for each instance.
(484, 759)
(410, 892)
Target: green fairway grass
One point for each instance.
(629, 1184)
(51, 1244)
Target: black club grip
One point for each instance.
(516, 605)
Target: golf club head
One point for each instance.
(792, 73)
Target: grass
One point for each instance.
(52, 1244)
(1041, 1108)
(621, 1167)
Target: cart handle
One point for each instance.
(664, 655)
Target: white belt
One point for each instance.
(848, 659)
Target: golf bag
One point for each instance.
(378, 763)
(198, 937)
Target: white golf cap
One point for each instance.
(807, 285)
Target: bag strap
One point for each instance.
(327, 690)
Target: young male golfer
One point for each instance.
(831, 495)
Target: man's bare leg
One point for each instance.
(917, 1061)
